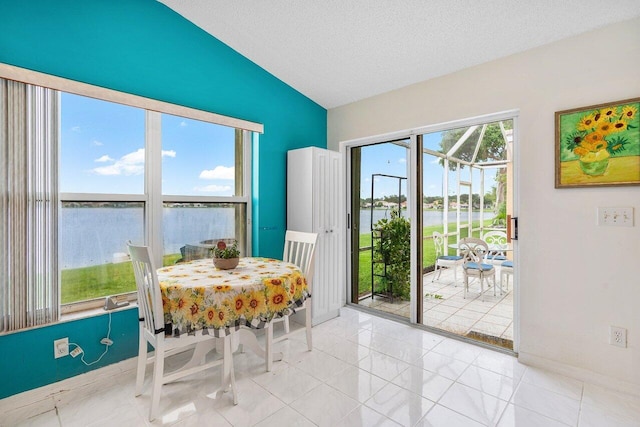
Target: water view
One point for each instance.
(94, 236)
(428, 217)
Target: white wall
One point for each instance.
(576, 279)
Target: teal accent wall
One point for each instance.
(144, 48)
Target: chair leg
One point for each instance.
(269, 346)
(142, 362)
(307, 323)
(286, 324)
(156, 384)
(466, 286)
(227, 369)
(439, 272)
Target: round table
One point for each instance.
(196, 295)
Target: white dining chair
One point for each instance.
(299, 249)
(495, 239)
(152, 331)
(474, 250)
(443, 260)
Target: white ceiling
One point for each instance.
(340, 51)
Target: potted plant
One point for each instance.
(225, 255)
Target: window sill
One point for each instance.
(93, 312)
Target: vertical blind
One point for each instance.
(29, 277)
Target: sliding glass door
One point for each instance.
(412, 199)
(380, 227)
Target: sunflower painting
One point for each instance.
(598, 145)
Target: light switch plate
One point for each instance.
(616, 217)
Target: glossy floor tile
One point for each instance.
(364, 371)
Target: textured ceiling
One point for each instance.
(340, 51)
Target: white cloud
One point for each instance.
(76, 129)
(96, 143)
(403, 160)
(213, 189)
(183, 124)
(220, 172)
(129, 164)
(103, 159)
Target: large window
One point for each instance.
(127, 173)
(85, 169)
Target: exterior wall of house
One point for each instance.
(144, 48)
(575, 278)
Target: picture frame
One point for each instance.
(598, 145)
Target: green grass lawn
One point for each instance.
(79, 284)
(428, 251)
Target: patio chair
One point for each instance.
(495, 239)
(152, 331)
(444, 261)
(506, 271)
(474, 251)
(299, 249)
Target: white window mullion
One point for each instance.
(153, 184)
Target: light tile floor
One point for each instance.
(446, 308)
(363, 371)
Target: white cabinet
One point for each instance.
(314, 204)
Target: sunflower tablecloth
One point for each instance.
(197, 296)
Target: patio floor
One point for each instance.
(445, 308)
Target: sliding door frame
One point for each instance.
(414, 189)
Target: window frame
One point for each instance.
(152, 198)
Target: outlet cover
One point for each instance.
(618, 336)
(60, 347)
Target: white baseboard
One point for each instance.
(579, 373)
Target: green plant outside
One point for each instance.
(392, 256)
(428, 253)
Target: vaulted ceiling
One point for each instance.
(340, 51)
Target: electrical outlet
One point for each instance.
(618, 217)
(618, 336)
(60, 347)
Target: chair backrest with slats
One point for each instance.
(299, 249)
(149, 294)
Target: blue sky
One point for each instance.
(391, 159)
(102, 151)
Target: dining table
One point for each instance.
(197, 297)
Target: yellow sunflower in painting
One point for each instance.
(619, 125)
(608, 112)
(629, 112)
(586, 123)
